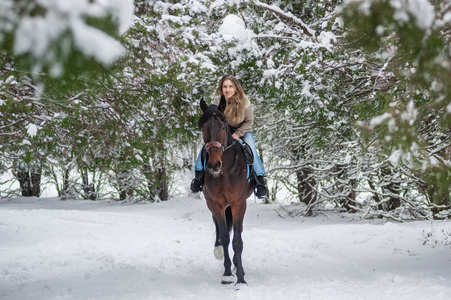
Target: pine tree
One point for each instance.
(54, 65)
(413, 112)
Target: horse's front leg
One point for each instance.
(224, 237)
(238, 249)
(238, 244)
(218, 249)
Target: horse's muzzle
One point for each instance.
(214, 163)
(214, 169)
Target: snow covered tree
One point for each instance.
(410, 40)
(165, 74)
(299, 82)
(351, 102)
(54, 55)
(311, 90)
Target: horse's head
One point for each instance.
(215, 130)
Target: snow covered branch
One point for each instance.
(287, 16)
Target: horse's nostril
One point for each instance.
(216, 167)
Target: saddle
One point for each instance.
(247, 153)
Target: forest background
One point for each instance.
(352, 98)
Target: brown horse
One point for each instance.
(226, 186)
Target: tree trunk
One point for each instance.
(30, 183)
(156, 183)
(306, 182)
(29, 177)
(393, 188)
(124, 184)
(436, 191)
(162, 184)
(66, 185)
(345, 185)
(89, 190)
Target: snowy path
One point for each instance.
(53, 249)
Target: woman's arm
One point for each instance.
(246, 126)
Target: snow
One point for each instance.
(32, 129)
(395, 158)
(233, 27)
(327, 39)
(422, 10)
(53, 249)
(288, 15)
(410, 114)
(95, 43)
(376, 121)
(197, 7)
(35, 34)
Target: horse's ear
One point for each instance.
(222, 104)
(203, 105)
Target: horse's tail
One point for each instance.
(229, 218)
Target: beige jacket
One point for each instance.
(246, 125)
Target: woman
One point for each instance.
(240, 116)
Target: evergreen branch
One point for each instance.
(275, 37)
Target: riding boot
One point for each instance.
(198, 182)
(260, 188)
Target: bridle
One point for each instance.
(216, 144)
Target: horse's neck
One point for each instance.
(234, 153)
(230, 140)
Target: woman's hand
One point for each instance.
(235, 136)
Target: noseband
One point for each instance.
(216, 144)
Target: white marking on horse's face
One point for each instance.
(215, 173)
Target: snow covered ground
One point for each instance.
(52, 249)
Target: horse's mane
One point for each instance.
(212, 110)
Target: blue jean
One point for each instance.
(248, 138)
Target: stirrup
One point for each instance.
(260, 191)
(196, 185)
(260, 188)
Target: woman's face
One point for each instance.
(228, 88)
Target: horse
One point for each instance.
(226, 186)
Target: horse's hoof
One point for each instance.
(227, 279)
(240, 285)
(219, 252)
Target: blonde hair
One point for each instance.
(236, 105)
